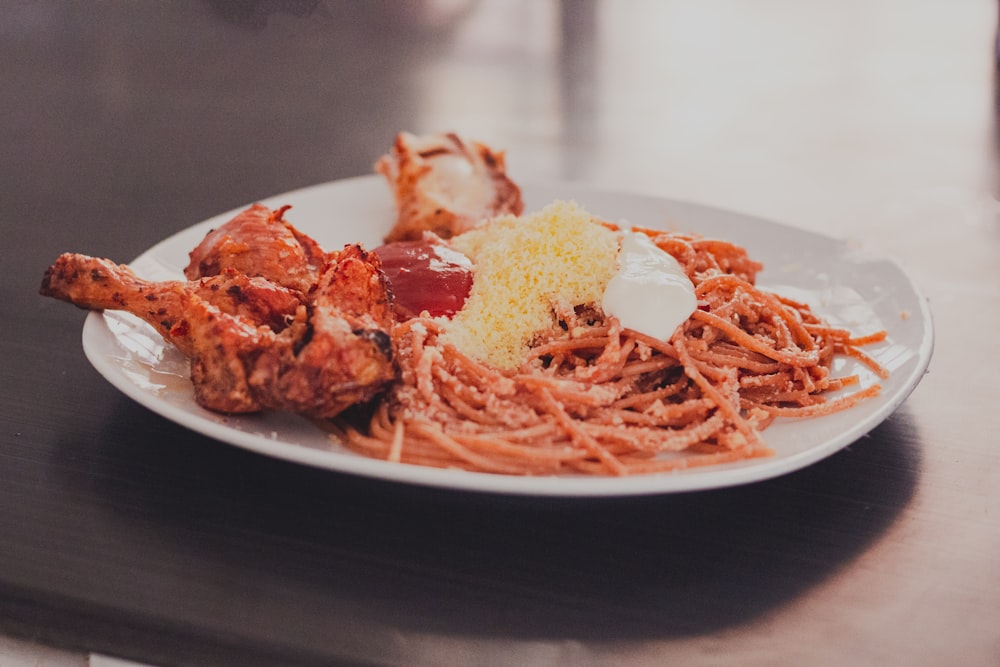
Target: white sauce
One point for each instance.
(650, 293)
(456, 180)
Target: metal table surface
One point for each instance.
(125, 534)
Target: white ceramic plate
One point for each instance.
(841, 282)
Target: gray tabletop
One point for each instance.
(124, 533)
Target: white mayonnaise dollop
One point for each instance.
(650, 293)
(456, 180)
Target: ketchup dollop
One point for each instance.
(425, 276)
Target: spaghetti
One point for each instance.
(594, 398)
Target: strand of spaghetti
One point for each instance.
(612, 359)
(382, 425)
(371, 444)
(487, 376)
(698, 460)
(843, 381)
(572, 428)
(664, 347)
(867, 360)
(543, 431)
(741, 337)
(825, 408)
(724, 405)
(727, 257)
(434, 433)
(406, 327)
(800, 306)
(673, 440)
(720, 248)
(765, 380)
(569, 390)
(765, 398)
(712, 372)
(638, 367)
(593, 340)
(460, 406)
(691, 407)
(805, 379)
(377, 444)
(791, 317)
(758, 419)
(608, 363)
(644, 464)
(875, 337)
(416, 330)
(679, 248)
(642, 399)
(786, 316)
(722, 361)
(469, 397)
(826, 331)
(424, 358)
(658, 416)
(528, 453)
(396, 449)
(740, 358)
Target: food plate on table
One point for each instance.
(846, 285)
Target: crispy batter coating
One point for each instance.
(259, 242)
(445, 185)
(343, 353)
(100, 284)
(254, 344)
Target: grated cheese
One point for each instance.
(523, 267)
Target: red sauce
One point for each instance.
(425, 276)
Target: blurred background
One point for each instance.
(818, 113)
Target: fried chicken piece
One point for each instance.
(445, 185)
(343, 355)
(254, 345)
(259, 242)
(222, 349)
(100, 284)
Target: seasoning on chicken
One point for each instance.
(445, 185)
(259, 242)
(100, 284)
(254, 345)
(342, 355)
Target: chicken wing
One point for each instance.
(445, 185)
(100, 284)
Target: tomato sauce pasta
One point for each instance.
(594, 398)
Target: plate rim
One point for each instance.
(96, 331)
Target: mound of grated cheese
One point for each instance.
(525, 266)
